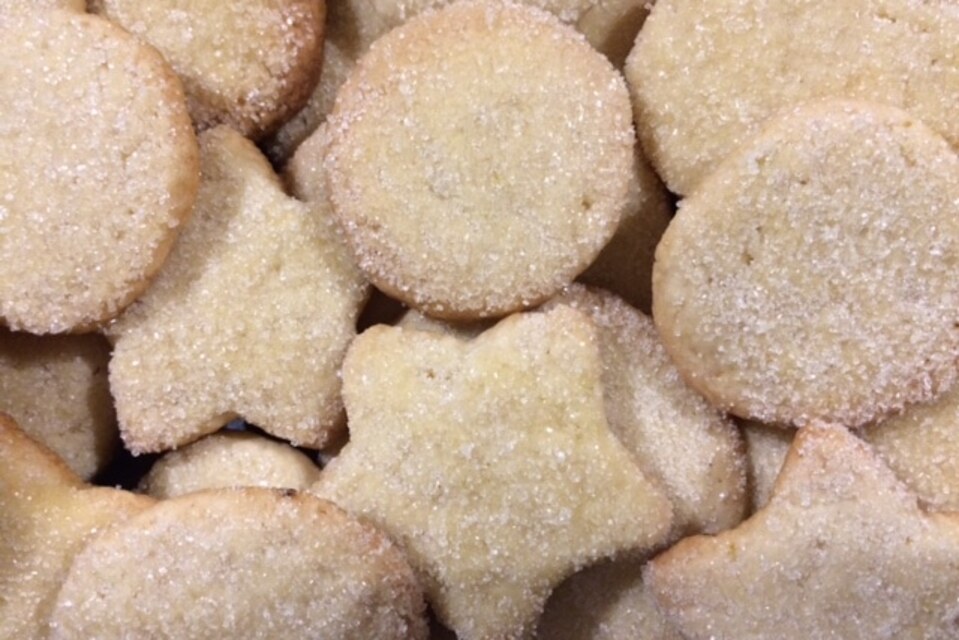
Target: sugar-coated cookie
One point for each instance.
(248, 64)
(229, 459)
(842, 550)
(705, 76)
(98, 169)
(251, 563)
(56, 389)
(766, 448)
(693, 452)
(47, 515)
(480, 159)
(491, 463)
(810, 276)
(250, 316)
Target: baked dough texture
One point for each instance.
(251, 563)
(480, 159)
(810, 276)
(250, 65)
(250, 317)
(705, 76)
(98, 169)
(491, 463)
(56, 388)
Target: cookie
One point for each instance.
(480, 159)
(56, 388)
(607, 602)
(694, 453)
(842, 550)
(229, 459)
(809, 277)
(337, 65)
(249, 65)
(413, 319)
(8, 6)
(491, 463)
(625, 265)
(98, 169)
(253, 563)
(705, 77)
(250, 316)
(47, 515)
(767, 447)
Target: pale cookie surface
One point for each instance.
(705, 76)
(225, 460)
(491, 463)
(694, 453)
(250, 563)
(810, 276)
(766, 448)
(9, 6)
(250, 316)
(247, 64)
(98, 169)
(922, 446)
(481, 158)
(842, 550)
(47, 515)
(625, 265)
(607, 602)
(56, 388)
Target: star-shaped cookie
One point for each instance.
(842, 550)
(491, 462)
(251, 315)
(47, 516)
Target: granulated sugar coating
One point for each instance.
(625, 265)
(922, 447)
(229, 459)
(98, 169)
(841, 551)
(47, 515)
(481, 158)
(811, 276)
(766, 447)
(491, 463)
(250, 317)
(9, 6)
(250, 563)
(693, 452)
(249, 64)
(706, 75)
(606, 602)
(56, 388)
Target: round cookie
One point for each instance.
(249, 64)
(8, 6)
(98, 170)
(690, 450)
(705, 76)
(229, 459)
(481, 158)
(253, 563)
(56, 388)
(810, 276)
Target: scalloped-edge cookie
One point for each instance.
(253, 563)
(841, 550)
(250, 65)
(57, 390)
(47, 515)
(706, 76)
(98, 169)
(229, 459)
(251, 315)
(480, 158)
(810, 276)
(490, 461)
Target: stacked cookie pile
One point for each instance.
(368, 283)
